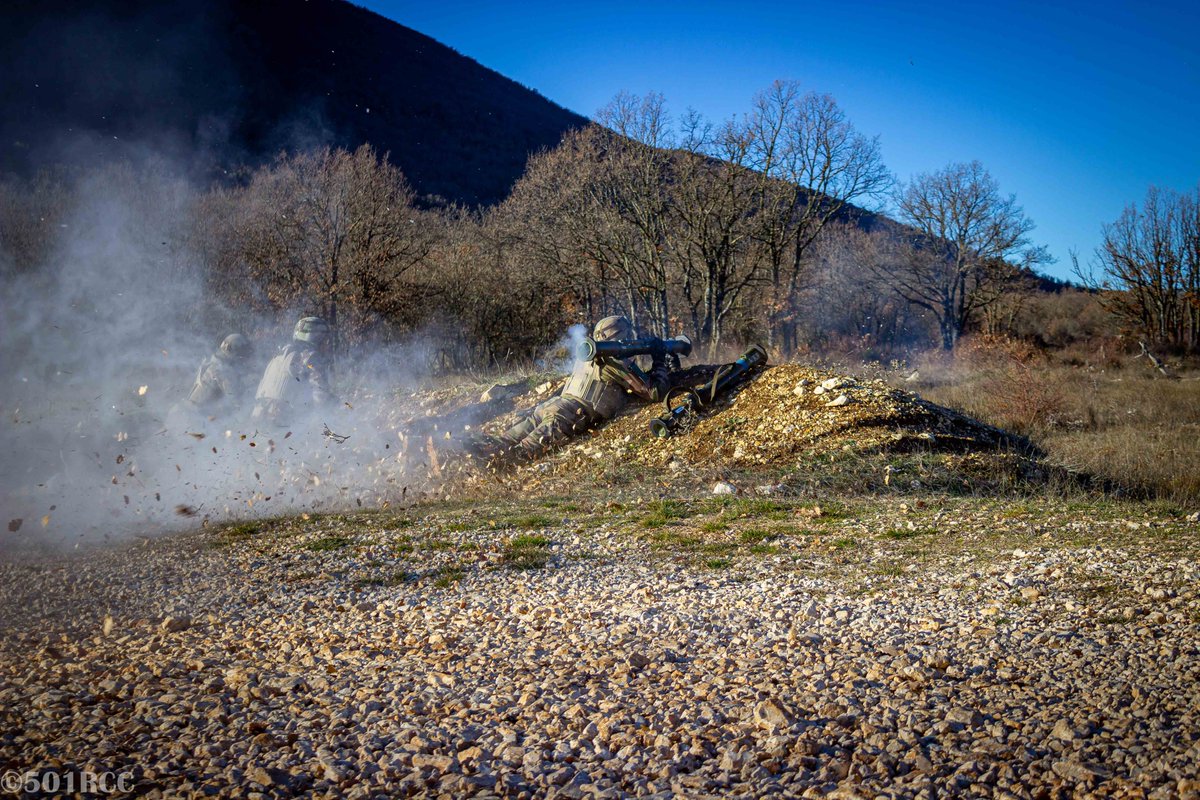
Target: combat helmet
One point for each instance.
(235, 347)
(313, 330)
(612, 329)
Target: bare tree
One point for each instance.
(821, 164)
(333, 232)
(716, 197)
(631, 201)
(957, 260)
(550, 223)
(1151, 256)
(592, 210)
(843, 298)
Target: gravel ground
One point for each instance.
(695, 648)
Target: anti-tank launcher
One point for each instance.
(589, 349)
(683, 403)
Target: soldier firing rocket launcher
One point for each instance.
(683, 403)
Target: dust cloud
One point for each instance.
(101, 345)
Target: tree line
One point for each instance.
(760, 228)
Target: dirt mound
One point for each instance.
(785, 417)
(792, 411)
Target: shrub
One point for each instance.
(1014, 389)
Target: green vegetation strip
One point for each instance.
(526, 552)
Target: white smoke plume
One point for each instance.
(100, 348)
(561, 357)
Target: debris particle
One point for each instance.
(14, 525)
(328, 434)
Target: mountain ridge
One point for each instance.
(225, 84)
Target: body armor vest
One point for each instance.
(279, 381)
(206, 390)
(587, 385)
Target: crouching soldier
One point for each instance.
(223, 380)
(595, 393)
(297, 379)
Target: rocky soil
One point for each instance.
(697, 647)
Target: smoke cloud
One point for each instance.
(102, 344)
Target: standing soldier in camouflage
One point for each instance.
(595, 393)
(298, 377)
(222, 382)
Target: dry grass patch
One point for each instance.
(1134, 430)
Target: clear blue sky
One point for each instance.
(1076, 108)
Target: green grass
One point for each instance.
(843, 544)
(526, 552)
(718, 548)
(561, 505)
(756, 536)
(672, 540)
(243, 530)
(328, 543)
(718, 563)
(832, 513)
(531, 521)
(732, 422)
(663, 512)
(747, 507)
(521, 522)
(448, 576)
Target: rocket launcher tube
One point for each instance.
(589, 349)
(680, 404)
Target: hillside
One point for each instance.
(225, 83)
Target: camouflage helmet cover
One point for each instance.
(612, 329)
(311, 329)
(235, 346)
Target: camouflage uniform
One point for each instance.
(596, 392)
(221, 382)
(296, 378)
